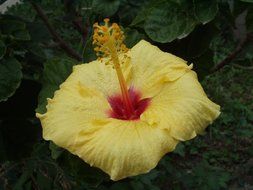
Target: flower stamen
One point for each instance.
(109, 42)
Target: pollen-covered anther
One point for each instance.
(106, 35)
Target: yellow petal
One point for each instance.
(72, 107)
(123, 148)
(152, 68)
(101, 76)
(182, 108)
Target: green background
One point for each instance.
(41, 40)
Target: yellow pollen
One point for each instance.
(108, 40)
(104, 34)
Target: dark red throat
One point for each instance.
(118, 110)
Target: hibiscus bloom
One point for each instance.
(123, 112)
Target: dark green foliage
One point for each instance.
(10, 77)
(105, 8)
(168, 21)
(205, 11)
(205, 33)
(2, 50)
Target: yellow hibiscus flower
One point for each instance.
(123, 112)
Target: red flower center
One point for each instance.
(118, 107)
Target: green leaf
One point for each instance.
(82, 171)
(129, 9)
(38, 31)
(55, 72)
(205, 11)
(180, 150)
(10, 77)
(2, 49)
(22, 180)
(247, 1)
(190, 24)
(10, 26)
(43, 181)
(14, 28)
(127, 13)
(222, 47)
(36, 50)
(120, 186)
(168, 21)
(105, 8)
(21, 35)
(137, 185)
(144, 12)
(56, 151)
(132, 37)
